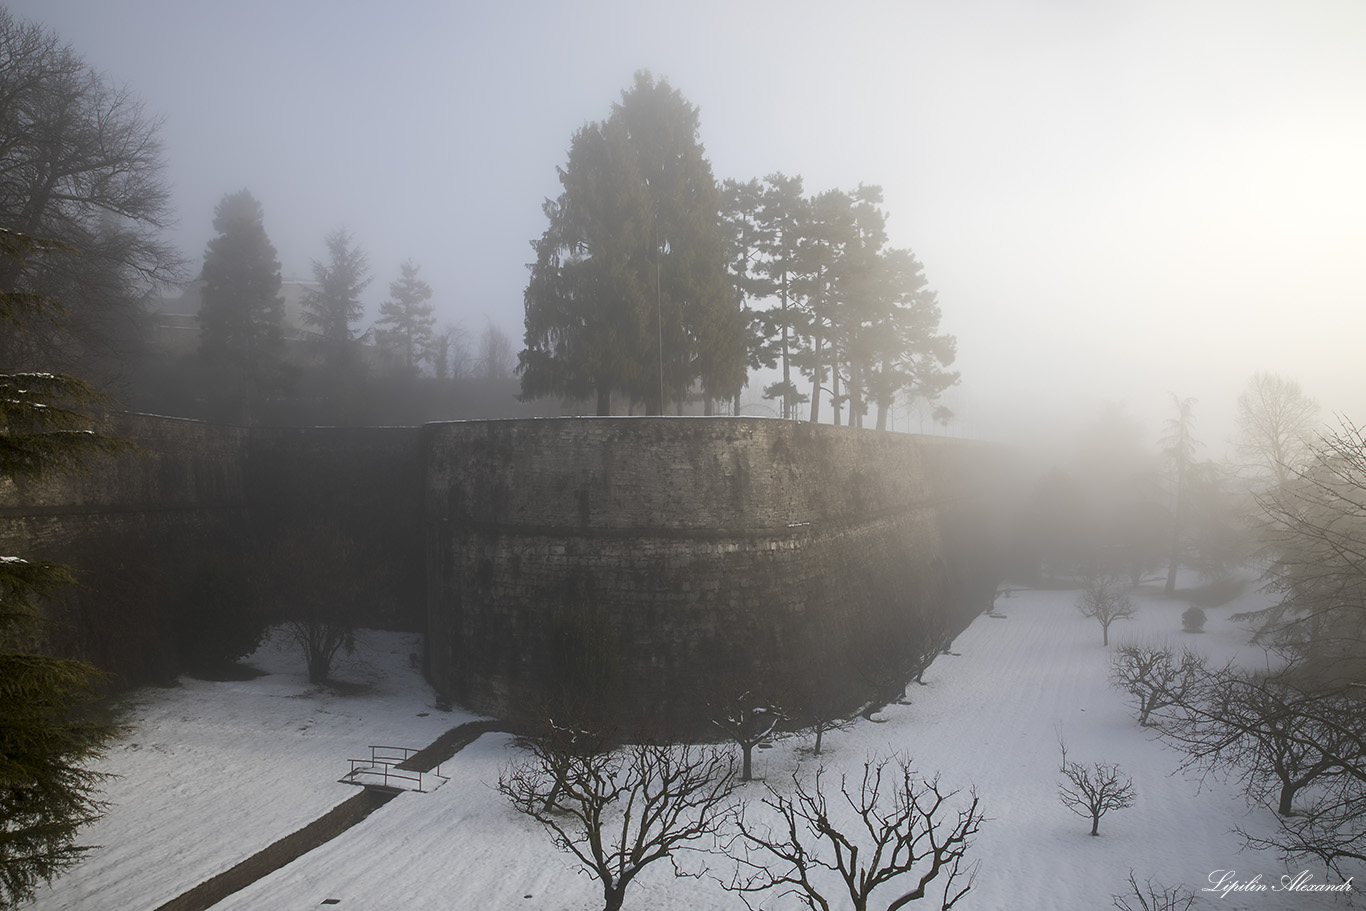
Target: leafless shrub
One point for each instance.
(1094, 790)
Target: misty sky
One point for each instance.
(1115, 201)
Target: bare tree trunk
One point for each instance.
(816, 380)
(1288, 790)
(835, 387)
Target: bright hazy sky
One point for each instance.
(1115, 201)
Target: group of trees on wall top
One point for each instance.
(242, 321)
(652, 283)
(84, 173)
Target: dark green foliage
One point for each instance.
(47, 424)
(855, 317)
(766, 223)
(1314, 535)
(241, 339)
(628, 294)
(46, 792)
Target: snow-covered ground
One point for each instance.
(212, 772)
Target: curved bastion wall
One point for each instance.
(649, 565)
(661, 565)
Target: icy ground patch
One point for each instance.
(212, 772)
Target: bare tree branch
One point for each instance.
(618, 812)
(895, 834)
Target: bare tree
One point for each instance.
(1296, 739)
(1094, 790)
(559, 743)
(1103, 598)
(1315, 540)
(1178, 450)
(81, 164)
(903, 835)
(1154, 677)
(1300, 751)
(493, 359)
(618, 812)
(1330, 829)
(1276, 421)
(312, 572)
(747, 721)
(893, 660)
(449, 353)
(824, 725)
(1150, 897)
(1264, 732)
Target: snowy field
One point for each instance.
(212, 772)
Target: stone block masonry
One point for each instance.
(649, 565)
(136, 530)
(665, 564)
(143, 530)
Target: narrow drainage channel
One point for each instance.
(320, 831)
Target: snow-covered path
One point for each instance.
(214, 771)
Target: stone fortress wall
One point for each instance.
(137, 530)
(659, 560)
(690, 558)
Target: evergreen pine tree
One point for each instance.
(336, 305)
(242, 319)
(47, 791)
(629, 292)
(406, 318)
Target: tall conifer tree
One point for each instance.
(242, 318)
(335, 305)
(406, 318)
(629, 292)
(47, 791)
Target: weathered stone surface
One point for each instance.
(139, 528)
(135, 528)
(661, 562)
(707, 554)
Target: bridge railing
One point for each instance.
(383, 768)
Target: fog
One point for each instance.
(1114, 202)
